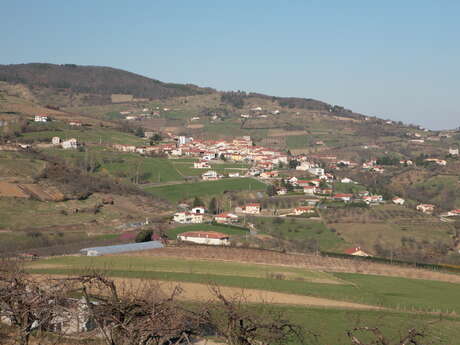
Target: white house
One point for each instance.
(343, 197)
(454, 151)
(41, 118)
(226, 218)
(316, 171)
(453, 213)
(252, 208)
(304, 166)
(346, 180)
(69, 144)
(55, 140)
(201, 165)
(303, 209)
(188, 218)
(373, 199)
(204, 237)
(425, 208)
(398, 201)
(310, 190)
(210, 175)
(198, 210)
(234, 174)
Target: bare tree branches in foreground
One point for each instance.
(26, 304)
(413, 337)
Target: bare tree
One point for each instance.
(144, 315)
(413, 337)
(242, 324)
(26, 304)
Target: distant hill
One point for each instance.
(96, 83)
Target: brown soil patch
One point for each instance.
(195, 126)
(12, 190)
(48, 194)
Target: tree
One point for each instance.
(137, 315)
(139, 132)
(144, 236)
(28, 304)
(413, 337)
(197, 202)
(271, 190)
(293, 163)
(213, 206)
(239, 325)
(157, 137)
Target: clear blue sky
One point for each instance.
(393, 59)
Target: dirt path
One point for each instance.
(202, 293)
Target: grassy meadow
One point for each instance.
(178, 192)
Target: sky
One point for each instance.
(396, 60)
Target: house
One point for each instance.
(234, 174)
(210, 175)
(346, 180)
(356, 251)
(440, 162)
(269, 174)
(56, 141)
(198, 210)
(201, 165)
(226, 218)
(304, 166)
(373, 199)
(188, 218)
(316, 171)
(252, 208)
(281, 191)
(293, 180)
(310, 190)
(343, 197)
(75, 123)
(425, 208)
(304, 209)
(41, 118)
(454, 213)
(398, 201)
(69, 144)
(205, 237)
(453, 151)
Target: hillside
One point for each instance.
(89, 84)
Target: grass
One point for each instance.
(298, 141)
(163, 266)
(186, 168)
(186, 191)
(400, 294)
(299, 229)
(331, 325)
(226, 229)
(93, 135)
(348, 188)
(126, 165)
(18, 164)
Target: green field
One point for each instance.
(96, 136)
(399, 294)
(129, 166)
(185, 167)
(299, 229)
(348, 188)
(226, 229)
(186, 191)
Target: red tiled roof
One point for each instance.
(204, 234)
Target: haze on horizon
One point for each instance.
(389, 59)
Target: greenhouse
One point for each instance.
(121, 248)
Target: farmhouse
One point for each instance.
(56, 141)
(356, 251)
(201, 165)
(203, 237)
(453, 151)
(188, 218)
(303, 209)
(440, 162)
(226, 218)
(41, 118)
(398, 201)
(373, 199)
(454, 213)
(343, 197)
(69, 144)
(252, 208)
(210, 175)
(426, 208)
